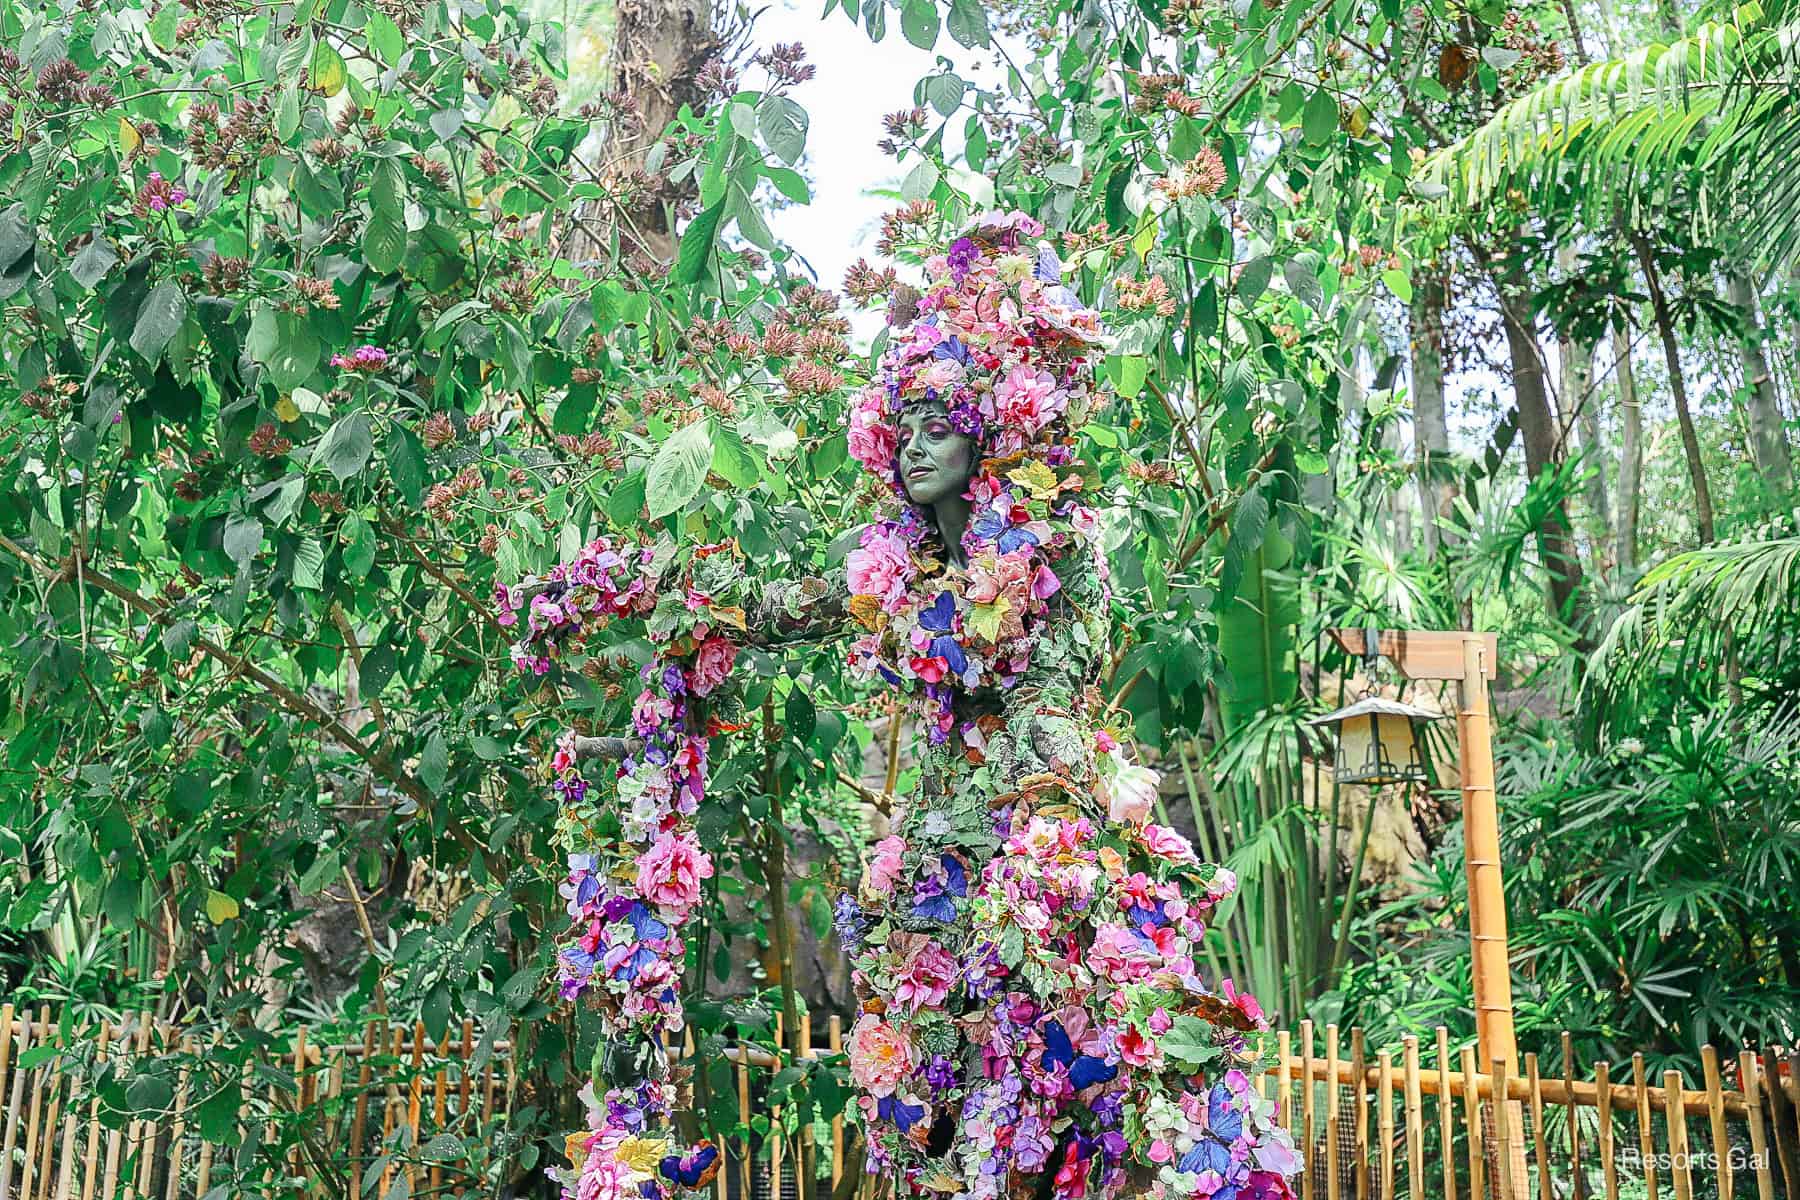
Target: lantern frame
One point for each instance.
(1380, 765)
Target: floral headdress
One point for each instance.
(1009, 352)
(997, 340)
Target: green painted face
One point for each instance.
(935, 460)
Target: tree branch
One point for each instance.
(296, 703)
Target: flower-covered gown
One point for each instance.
(1024, 943)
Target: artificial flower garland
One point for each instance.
(636, 866)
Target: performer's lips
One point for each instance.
(919, 472)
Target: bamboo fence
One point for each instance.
(1415, 1120)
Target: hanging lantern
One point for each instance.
(1378, 741)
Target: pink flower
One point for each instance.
(1105, 743)
(1131, 793)
(1136, 1048)
(879, 1055)
(884, 869)
(363, 358)
(881, 567)
(712, 665)
(670, 871)
(1165, 843)
(1244, 1002)
(871, 437)
(926, 975)
(1118, 955)
(1028, 399)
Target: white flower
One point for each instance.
(1131, 793)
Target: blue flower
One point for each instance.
(647, 927)
(902, 1114)
(1223, 1117)
(1087, 1070)
(1207, 1155)
(951, 349)
(939, 615)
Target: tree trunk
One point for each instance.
(1768, 440)
(1631, 458)
(1684, 417)
(1431, 429)
(1538, 426)
(1580, 405)
(659, 48)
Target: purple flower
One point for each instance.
(962, 255)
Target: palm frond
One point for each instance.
(1707, 124)
(1696, 603)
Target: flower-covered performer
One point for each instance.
(1033, 1022)
(1033, 1019)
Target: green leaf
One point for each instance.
(358, 540)
(309, 565)
(1399, 283)
(92, 262)
(220, 907)
(969, 23)
(434, 763)
(679, 468)
(1320, 118)
(346, 446)
(328, 74)
(385, 37)
(919, 21)
(243, 537)
(733, 460)
(1304, 284)
(920, 181)
(325, 870)
(158, 318)
(1253, 280)
(802, 717)
(784, 124)
(384, 241)
(1189, 1041)
(164, 24)
(789, 183)
(1128, 372)
(445, 1147)
(697, 244)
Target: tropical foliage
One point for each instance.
(323, 319)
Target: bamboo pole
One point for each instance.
(1555, 1092)
(1646, 1135)
(1415, 1121)
(1721, 1141)
(359, 1122)
(1678, 1138)
(1384, 1099)
(1505, 1136)
(1608, 1167)
(809, 1153)
(143, 1134)
(743, 1098)
(1358, 1068)
(1472, 1126)
(65, 1175)
(1577, 1180)
(1481, 848)
(440, 1102)
(1538, 1148)
(178, 1129)
(1332, 1124)
(6, 1042)
(835, 1040)
(1306, 1104)
(90, 1159)
(1759, 1141)
(15, 1104)
(1446, 1118)
(47, 1153)
(1284, 1111)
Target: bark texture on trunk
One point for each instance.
(1431, 429)
(1631, 457)
(1582, 399)
(1768, 438)
(1543, 451)
(1684, 417)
